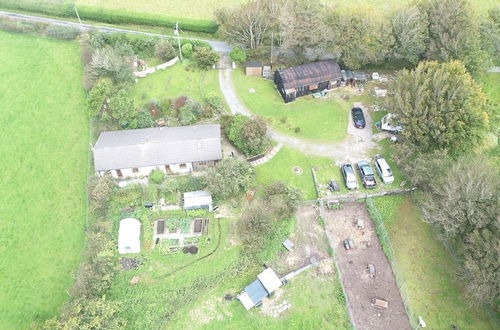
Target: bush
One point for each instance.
(190, 112)
(191, 183)
(187, 49)
(107, 62)
(112, 16)
(206, 58)
(249, 135)
(229, 178)
(179, 102)
(62, 32)
(238, 55)
(156, 177)
(143, 119)
(215, 103)
(164, 51)
(98, 95)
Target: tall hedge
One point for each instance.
(112, 16)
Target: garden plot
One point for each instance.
(353, 221)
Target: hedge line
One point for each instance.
(112, 16)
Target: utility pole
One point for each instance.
(176, 32)
(272, 44)
(76, 11)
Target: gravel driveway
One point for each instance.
(356, 146)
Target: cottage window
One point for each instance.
(135, 170)
(119, 173)
(202, 163)
(167, 168)
(183, 166)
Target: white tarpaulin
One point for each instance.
(129, 234)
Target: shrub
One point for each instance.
(156, 177)
(297, 130)
(249, 135)
(98, 95)
(229, 178)
(190, 112)
(164, 51)
(102, 191)
(191, 183)
(62, 32)
(142, 119)
(238, 55)
(179, 102)
(107, 62)
(206, 58)
(215, 103)
(187, 49)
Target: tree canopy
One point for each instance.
(440, 107)
(249, 135)
(230, 177)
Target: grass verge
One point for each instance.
(426, 269)
(44, 148)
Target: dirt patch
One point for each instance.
(360, 287)
(209, 311)
(309, 240)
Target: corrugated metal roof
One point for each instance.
(157, 146)
(310, 74)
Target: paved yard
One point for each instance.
(360, 288)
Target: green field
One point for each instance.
(176, 81)
(280, 169)
(324, 119)
(44, 148)
(429, 275)
(205, 8)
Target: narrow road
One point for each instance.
(356, 146)
(217, 45)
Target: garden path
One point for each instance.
(356, 146)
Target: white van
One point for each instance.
(383, 169)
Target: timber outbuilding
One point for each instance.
(308, 78)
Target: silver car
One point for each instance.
(349, 176)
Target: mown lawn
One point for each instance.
(316, 119)
(280, 168)
(427, 269)
(179, 80)
(205, 8)
(44, 151)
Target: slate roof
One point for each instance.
(310, 74)
(157, 146)
(253, 64)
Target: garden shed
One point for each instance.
(129, 236)
(267, 282)
(253, 68)
(307, 78)
(196, 200)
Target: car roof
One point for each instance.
(348, 168)
(365, 167)
(357, 110)
(382, 163)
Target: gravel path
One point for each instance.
(356, 146)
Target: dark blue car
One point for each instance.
(358, 117)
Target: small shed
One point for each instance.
(129, 236)
(267, 282)
(359, 77)
(196, 200)
(253, 68)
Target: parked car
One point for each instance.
(358, 117)
(349, 176)
(375, 76)
(367, 174)
(383, 169)
(348, 244)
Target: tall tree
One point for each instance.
(229, 178)
(411, 34)
(440, 106)
(465, 204)
(454, 33)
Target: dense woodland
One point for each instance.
(301, 31)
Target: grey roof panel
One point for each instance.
(256, 291)
(157, 146)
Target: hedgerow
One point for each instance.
(112, 16)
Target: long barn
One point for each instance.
(307, 78)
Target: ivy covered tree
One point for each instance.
(121, 108)
(440, 107)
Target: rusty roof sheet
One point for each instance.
(310, 74)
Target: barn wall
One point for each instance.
(254, 71)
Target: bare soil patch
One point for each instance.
(309, 240)
(360, 287)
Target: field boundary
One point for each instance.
(386, 243)
(110, 16)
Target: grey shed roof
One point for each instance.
(253, 64)
(157, 146)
